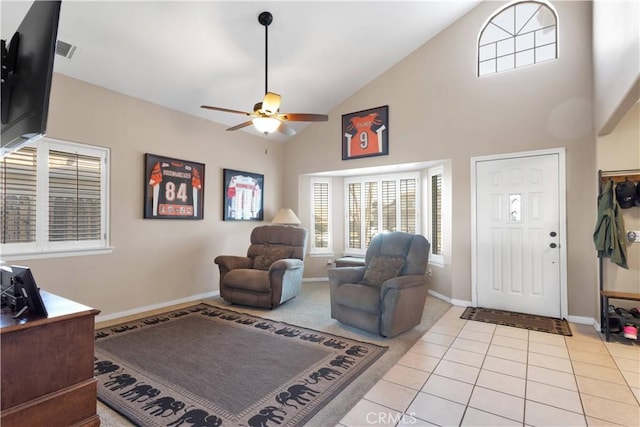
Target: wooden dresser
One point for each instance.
(47, 366)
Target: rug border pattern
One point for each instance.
(267, 409)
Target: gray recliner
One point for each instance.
(271, 273)
(388, 294)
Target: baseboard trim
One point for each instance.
(138, 310)
(134, 311)
(583, 320)
(453, 301)
(461, 303)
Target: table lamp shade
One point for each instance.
(286, 216)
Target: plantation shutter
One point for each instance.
(408, 205)
(371, 210)
(389, 205)
(381, 204)
(355, 219)
(74, 197)
(436, 214)
(321, 215)
(18, 172)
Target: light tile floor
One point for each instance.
(467, 373)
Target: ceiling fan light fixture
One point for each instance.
(266, 114)
(271, 103)
(266, 125)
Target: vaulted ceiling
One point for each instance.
(182, 54)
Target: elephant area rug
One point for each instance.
(209, 366)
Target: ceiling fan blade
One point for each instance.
(266, 112)
(271, 103)
(241, 125)
(304, 117)
(286, 130)
(226, 110)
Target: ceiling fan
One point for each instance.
(266, 116)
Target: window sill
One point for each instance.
(320, 254)
(361, 254)
(436, 263)
(56, 254)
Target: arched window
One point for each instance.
(521, 33)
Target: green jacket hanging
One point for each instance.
(609, 233)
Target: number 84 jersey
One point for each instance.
(175, 189)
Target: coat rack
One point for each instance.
(616, 176)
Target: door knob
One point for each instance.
(553, 245)
(553, 234)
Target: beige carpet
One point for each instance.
(311, 309)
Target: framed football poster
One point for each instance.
(174, 189)
(243, 196)
(365, 133)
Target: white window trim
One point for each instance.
(42, 248)
(378, 178)
(434, 259)
(496, 13)
(328, 251)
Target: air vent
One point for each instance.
(65, 49)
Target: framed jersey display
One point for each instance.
(243, 196)
(174, 189)
(365, 133)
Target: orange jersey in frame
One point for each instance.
(362, 139)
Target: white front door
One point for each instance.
(518, 262)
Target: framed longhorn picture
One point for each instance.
(365, 133)
(173, 189)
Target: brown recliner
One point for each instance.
(388, 294)
(271, 273)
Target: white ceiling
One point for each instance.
(182, 54)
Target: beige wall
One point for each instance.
(153, 261)
(616, 65)
(620, 150)
(440, 110)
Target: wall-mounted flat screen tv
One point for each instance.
(27, 69)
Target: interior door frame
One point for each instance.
(562, 216)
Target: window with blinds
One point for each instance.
(436, 214)
(320, 216)
(18, 201)
(74, 197)
(53, 198)
(370, 211)
(354, 225)
(408, 213)
(380, 203)
(388, 204)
